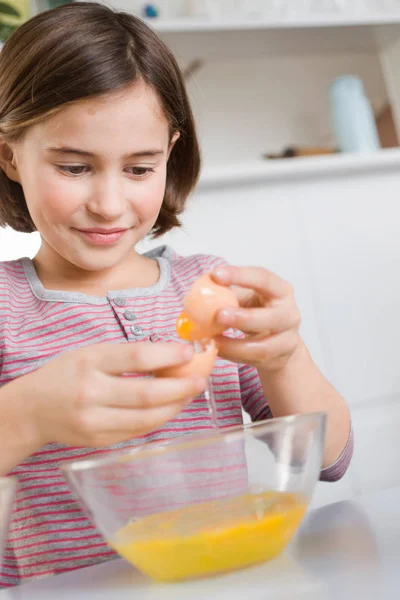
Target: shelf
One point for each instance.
(192, 38)
(193, 24)
(289, 169)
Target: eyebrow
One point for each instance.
(67, 150)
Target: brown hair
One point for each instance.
(82, 50)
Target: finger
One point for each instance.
(120, 424)
(265, 283)
(128, 423)
(138, 393)
(267, 321)
(139, 357)
(257, 351)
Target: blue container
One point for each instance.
(353, 119)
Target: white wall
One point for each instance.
(246, 108)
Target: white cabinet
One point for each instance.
(376, 458)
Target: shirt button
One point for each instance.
(119, 301)
(137, 330)
(128, 314)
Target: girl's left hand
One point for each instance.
(268, 316)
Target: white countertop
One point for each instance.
(345, 550)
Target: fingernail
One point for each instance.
(220, 274)
(188, 352)
(226, 315)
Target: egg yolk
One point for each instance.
(213, 537)
(191, 331)
(185, 328)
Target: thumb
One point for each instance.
(138, 357)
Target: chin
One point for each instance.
(101, 262)
(100, 258)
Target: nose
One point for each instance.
(107, 198)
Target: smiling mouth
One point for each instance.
(102, 237)
(103, 230)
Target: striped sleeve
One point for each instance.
(338, 469)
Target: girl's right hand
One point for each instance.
(80, 398)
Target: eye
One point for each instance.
(140, 171)
(74, 170)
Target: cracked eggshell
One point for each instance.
(200, 365)
(201, 305)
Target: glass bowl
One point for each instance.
(7, 491)
(206, 503)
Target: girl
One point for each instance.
(98, 149)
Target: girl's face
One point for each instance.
(94, 176)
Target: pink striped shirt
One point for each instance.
(49, 533)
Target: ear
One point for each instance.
(8, 161)
(173, 141)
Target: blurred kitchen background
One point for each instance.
(298, 109)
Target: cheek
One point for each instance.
(149, 201)
(55, 200)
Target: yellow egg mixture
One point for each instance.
(212, 537)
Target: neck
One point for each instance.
(56, 273)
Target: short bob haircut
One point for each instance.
(85, 50)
